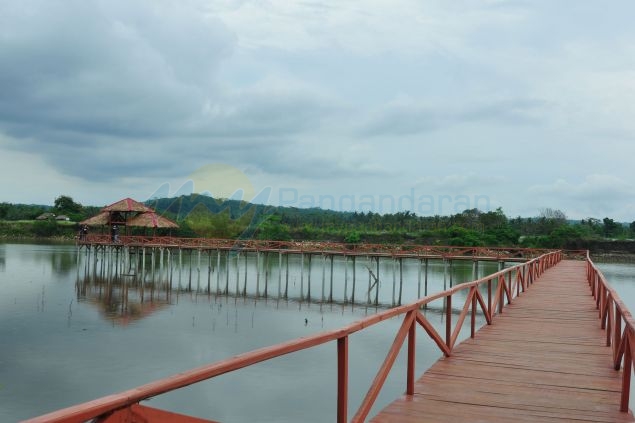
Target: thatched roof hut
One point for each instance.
(127, 205)
(128, 212)
(151, 220)
(101, 219)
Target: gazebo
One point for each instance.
(129, 213)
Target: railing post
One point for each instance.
(626, 375)
(489, 299)
(610, 320)
(342, 379)
(473, 317)
(410, 385)
(448, 321)
(598, 297)
(501, 289)
(617, 330)
(511, 286)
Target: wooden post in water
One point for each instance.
(419, 278)
(143, 265)
(198, 271)
(331, 285)
(79, 252)
(475, 269)
(394, 279)
(266, 269)
(354, 273)
(451, 272)
(345, 278)
(227, 266)
(377, 282)
(279, 274)
(245, 281)
(370, 275)
(308, 283)
(257, 274)
(152, 264)
(237, 273)
(180, 266)
(301, 276)
(425, 279)
(171, 267)
(218, 271)
(95, 259)
(161, 263)
(400, 279)
(445, 274)
(143, 274)
(323, 276)
(116, 261)
(189, 279)
(209, 272)
(286, 283)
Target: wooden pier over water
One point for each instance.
(220, 266)
(558, 346)
(544, 360)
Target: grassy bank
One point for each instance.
(37, 229)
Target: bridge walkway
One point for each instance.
(544, 360)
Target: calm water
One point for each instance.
(66, 339)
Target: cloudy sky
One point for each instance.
(428, 106)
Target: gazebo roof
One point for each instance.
(151, 220)
(100, 219)
(127, 205)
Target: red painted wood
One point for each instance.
(342, 379)
(461, 319)
(381, 376)
(104, 406)
(448, 321)
(410, 377)
(137, 413)
(433, 334)
(544, 360)
(626, 374)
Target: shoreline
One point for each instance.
(599, 256)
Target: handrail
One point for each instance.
(613, 313)
(510, 281)
(396, 250)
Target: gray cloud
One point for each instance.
(596, 195)
(109, 96)
(102, 89)
(409, 118)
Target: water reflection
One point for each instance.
(77, 337)
(119, 301)
(60, 258)
(300, 277)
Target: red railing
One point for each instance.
(501, 286)
(613, 314)
(395, 250)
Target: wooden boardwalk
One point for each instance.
(544, 359)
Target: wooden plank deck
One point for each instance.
(544, 359)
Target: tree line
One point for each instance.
(204, 216)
